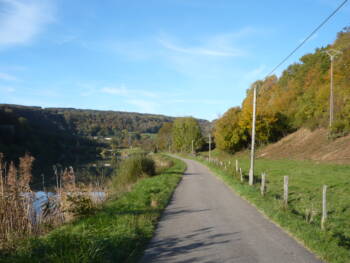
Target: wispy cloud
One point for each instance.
(201, 50)
(7, 77)
(7, 89)
(256, 73)
(124, 91)
(22, 20)
(66, 39)
(144, 105)
(198, 101)
(219, 45)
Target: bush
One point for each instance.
(339, 128)
(81, 205)
(132, 169)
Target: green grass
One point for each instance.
(306, 180)
(117, 233)
(131, 151)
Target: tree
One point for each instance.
(164, 136)
(184, 131)
(228, 133)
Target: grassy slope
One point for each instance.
(306, 179)
(117, 233)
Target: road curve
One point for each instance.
(207, 222)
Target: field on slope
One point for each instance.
(309, 145)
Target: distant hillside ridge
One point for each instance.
(66, 136)
(305, 144)
(92, 122)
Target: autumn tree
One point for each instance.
(229, 135)
(298, 98)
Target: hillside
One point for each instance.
(309, 145)
(65, 135)
(299, 98)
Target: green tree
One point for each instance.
(164, 136)
(184, 131)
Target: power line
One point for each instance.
(308, 37)
(252, 153)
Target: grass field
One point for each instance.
(302, 218)
(116, 233)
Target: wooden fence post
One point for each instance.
(236, 166)
(285, 188)
(241, 174)
(263, 186)
(324, 206)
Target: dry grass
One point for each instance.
(16, 198)
(309, 145)
(18, 218)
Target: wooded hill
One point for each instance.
(65, 135)
(298, 98)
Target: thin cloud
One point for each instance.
(200, 50)
(116, 90)
(66, 39)
(124, 91)
(256, 73)
(144, 105)
(7, 89)
(198, 101)
(218, 45)
(7, 77)
(22, 20)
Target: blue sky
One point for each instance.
(173, 57)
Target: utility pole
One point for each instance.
(209, 147)
(192, 147)
(332, 53)
(252, 152)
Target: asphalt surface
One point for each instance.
(207, 222)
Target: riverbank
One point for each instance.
(118, 232)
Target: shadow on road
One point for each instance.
(173, 246)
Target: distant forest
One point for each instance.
(65, 136)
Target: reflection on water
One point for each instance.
(41, 198)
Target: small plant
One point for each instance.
(310, 214)
(81, 205)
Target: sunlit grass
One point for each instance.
(116, 233)
(303, 216)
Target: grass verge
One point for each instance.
(303, 215)
(117, 233)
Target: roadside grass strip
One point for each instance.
(302, 217)
(118, 232)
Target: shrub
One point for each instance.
(132, 169)
(339, 128)
(81, 205)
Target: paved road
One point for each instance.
(207, 222)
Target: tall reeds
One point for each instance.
(16, 198)
(18, 216)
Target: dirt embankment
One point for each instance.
(309, 145)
